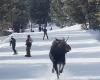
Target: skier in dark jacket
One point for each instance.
(28, 46)
(45, 33)
(13, 44)
(39, 28)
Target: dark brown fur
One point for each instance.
(57, 54)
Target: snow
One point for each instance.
(82, 62)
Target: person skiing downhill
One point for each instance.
(45, 33)
(13, 44)
(28, 46)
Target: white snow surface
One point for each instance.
(82, 62)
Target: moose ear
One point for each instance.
(55, 38)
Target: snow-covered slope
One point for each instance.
(82, 63)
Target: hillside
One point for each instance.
(82, 63)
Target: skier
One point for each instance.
(28, 46)
(45, 33)
(13, 44)
(40, 28)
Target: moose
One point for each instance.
(57, 55)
